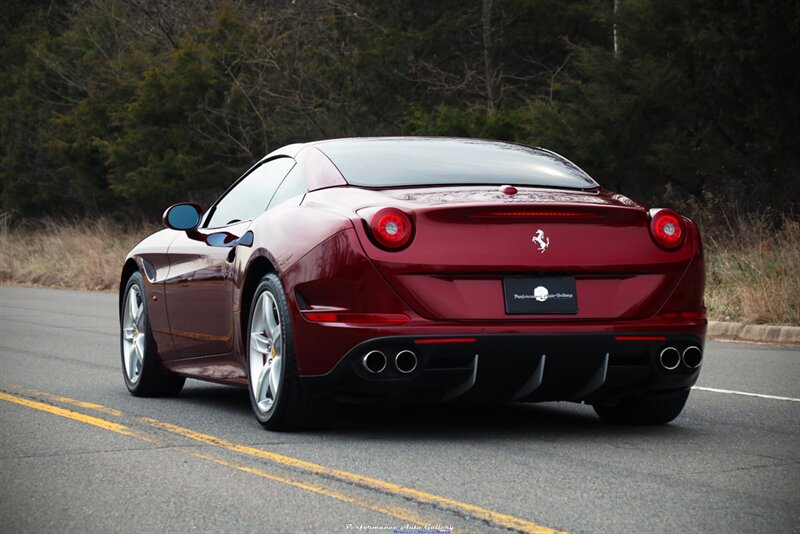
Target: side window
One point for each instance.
(293, 185)
(251, 195)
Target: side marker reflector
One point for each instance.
(356, 318)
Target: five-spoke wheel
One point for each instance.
(278, 397)
(141, 367)
(133, 338)
(266, 351)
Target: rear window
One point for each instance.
(398, 162)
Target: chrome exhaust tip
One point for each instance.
(374, 362)
(405, 361)
(692, 357)
(670, 358)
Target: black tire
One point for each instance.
(149, 379)
(291, 407)
(643, 410)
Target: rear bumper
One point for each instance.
(526, 367)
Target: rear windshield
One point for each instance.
(397, 162)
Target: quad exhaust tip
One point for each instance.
(405, 361)
(692, 357)
(374, 362)
(670, 358)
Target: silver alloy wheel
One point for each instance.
(266, 351)
(133, 334)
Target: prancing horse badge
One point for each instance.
(541, 240)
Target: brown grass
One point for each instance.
(85, 254)
(753, 270)
(753, 266)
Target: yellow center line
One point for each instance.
(76, 416)
(491, 516)
(497, 518)
(397, 512)
(74, 402)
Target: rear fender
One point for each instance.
(687, 296)
(335, 274)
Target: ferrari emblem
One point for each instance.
(541, 240)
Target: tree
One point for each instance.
(703, 97)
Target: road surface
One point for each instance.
(79, 454)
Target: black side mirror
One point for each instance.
(185, 216)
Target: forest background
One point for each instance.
(111, 110)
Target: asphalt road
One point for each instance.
(79, 454)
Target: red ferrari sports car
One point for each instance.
(418, 269)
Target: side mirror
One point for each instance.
(185, 216)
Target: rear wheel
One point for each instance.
(141, 368)
(642, 410)
(277, 396)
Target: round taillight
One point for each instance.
(667, 229)
(391, 228)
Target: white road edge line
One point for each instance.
(744, 393)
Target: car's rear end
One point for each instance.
(497, 272)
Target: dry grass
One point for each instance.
(753, 269)
(753, 266)
(86, 254)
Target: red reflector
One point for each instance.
(321, 317)
(431, 341)
(684, 315)
(694, 315)
(640, 338)
(357, 318)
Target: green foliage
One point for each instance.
(110, 105)
(477, 122)
(156, 156)
(702, 97)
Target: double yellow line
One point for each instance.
(396, 490)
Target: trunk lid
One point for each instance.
(469, 240)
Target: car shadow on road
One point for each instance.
(543, 421)
(557, 421)
(217, 396)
